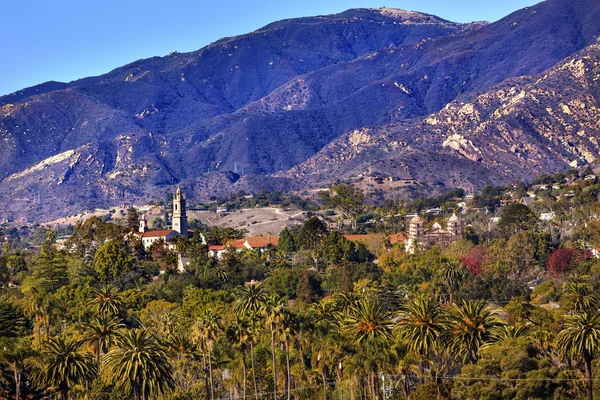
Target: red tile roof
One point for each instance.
(216, 248)
(157, 233)
(237, 244)
(262, 241)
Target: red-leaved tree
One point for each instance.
(475, 259)
(560, 261)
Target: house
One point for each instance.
(149, 238)
(434, 211)
(250, 243)
(528, 201)
(549, 216)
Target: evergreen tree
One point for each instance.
(287, 241)
(50, 266)
(133, 219)
(311, 234)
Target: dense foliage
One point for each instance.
(509, 311)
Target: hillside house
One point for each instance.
(250, 243)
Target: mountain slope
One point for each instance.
(519, 128)
(323, 97)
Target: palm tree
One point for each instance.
(368, 320)
(14, 354)
(101, 332)
(207, 330)
(581, 294)
(451, 275)
(271, 309)
(286, 329)
(37, 305)
(184, 354)
(420, 324)
(239, 334)
(369, 325)
(139, 363)
(472, 325)
(106, 300)
(249, 300)
(580, 337)
(63, 365)
(249, 297)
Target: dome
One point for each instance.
(416, 220)
(454, 218)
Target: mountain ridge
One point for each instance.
(254, 111)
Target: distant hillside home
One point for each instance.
(419, 237)
(249, 243)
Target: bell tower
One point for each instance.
(179, 213)
(143, 224)
(455, 225)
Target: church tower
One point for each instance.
(455, 225)
(179, 214)
(143, 225)
(416, 228)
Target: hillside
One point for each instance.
(239, 113)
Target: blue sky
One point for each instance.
(63, 40)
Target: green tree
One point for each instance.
(368, 320)
(207, 330)
(139, 363)
(471, 325)
(451, 275)
(63, 365)
(132, 220)
(312, 233)
(49, 266)
(580, 337)
(106, 300)
(112, 259)
(287, 241)
(101, 332)
(346, 198)
(12, 320)
(516, 218)
(420, 325)
(239, 334)
(15, 353)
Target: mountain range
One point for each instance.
(301, 103)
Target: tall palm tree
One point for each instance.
(286, 329)
(38, 306)
(101, 332)
(580, 337)
(64, 365)
(106, 300)
(451, 275)
(271, 309)
(14, 353)
(184, 354)
(472, 325)
(139, 363)
(239, 334)
(369, 325)
(207, 330)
